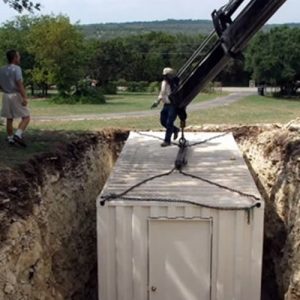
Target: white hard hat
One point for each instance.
(168, 71)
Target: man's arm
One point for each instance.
(162, 94)
(20, 85)
(22, 92)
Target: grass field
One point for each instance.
(251, 110)
(115, 103)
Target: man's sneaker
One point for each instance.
(19, 141)
(175, 136)
(165, 144)
(10, 141)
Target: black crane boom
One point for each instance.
(229, 38)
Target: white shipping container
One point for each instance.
(198, 242)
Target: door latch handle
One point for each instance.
(153, 288)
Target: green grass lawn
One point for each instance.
(251, 110)
(115, 104)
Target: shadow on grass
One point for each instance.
(117, 102)
(38, 141)
(295, 98)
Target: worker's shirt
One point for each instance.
(165, 92)
(9, 75)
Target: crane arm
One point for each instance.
(228, 39)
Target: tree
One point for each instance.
(234, 74)
(274, 57)
(20, 5)
(109, 61)
(13, 35)
(141, 57)
(58, 48)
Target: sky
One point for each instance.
(105, 11)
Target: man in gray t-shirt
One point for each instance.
(9, 76)
(14, 102)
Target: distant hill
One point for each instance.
(111, 30)
(292, 25)
(189, 27)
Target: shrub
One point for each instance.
(154, 87)
(121, 82)
(121, 85)
(75, 99)
(209, 88)
(137, 86)
(84, 94)
(109, 88)
(64, 99)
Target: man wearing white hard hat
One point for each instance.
(168, 113)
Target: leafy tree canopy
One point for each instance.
(52, 50)
(274, 57)
(58, 49)
(20, 5)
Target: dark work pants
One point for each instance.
(167, 118)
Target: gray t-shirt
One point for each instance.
(9, 75)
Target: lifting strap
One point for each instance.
(181, 159)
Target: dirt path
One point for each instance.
(217, 102)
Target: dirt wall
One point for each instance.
(274, 157)
(272, 152)
(48, 221)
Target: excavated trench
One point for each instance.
(48, 220)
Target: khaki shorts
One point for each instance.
(12, 107)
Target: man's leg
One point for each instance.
(20, 111)
(18, 137)
(10, 131)
(173, 116)
(9, 127)
(170, 124)
(176, 130)
(164, 117)
(22, 126)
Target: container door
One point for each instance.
(180, 259)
